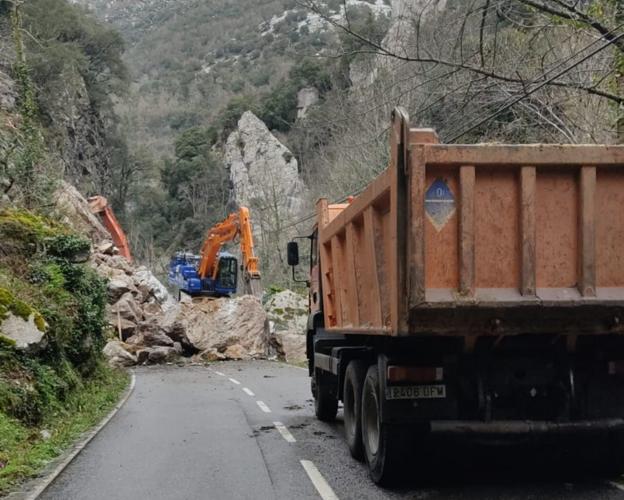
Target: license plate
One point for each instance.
(437, 391)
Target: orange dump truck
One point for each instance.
(471, 288)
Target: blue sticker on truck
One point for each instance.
(439, 203)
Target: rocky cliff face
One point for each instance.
(79, 132)
(73, 128)
(264, 174)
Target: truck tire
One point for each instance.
(325, 403)
(382, 442)
(352, 402)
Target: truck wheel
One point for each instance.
(325, 403)
(382, 442)
(352, 401)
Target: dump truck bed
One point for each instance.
(477, 240)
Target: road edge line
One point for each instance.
(77, 448)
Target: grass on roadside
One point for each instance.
(24, 451)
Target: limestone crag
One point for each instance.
(306, 97)
(263, 172)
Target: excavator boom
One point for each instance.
(99, 205)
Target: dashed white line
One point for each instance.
(248, 391)
(219, 373)
(322, 486)
(263, 407)
(234, 381)
(284, 432)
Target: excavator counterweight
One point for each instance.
(214, 272)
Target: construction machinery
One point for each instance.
(215, 272)
(473, 292)
(99, 205)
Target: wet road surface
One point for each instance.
(246, 430)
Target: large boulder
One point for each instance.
(150, 336)
(291, 347)
(126, 307)
(288, 311)
(74, 211)
(162, 354)
(177, 332)
(236, 352)
(118, 354)
(152, 287)
(118, 286)
(222, 323)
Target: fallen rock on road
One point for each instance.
(237, 327)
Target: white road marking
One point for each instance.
(322, 486)
(263, 407)
(219, 373)
(234, 381)
(284, 432)
(248, 391)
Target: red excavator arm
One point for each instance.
(236, 224)
(99, 205)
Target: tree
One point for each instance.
(510, 48)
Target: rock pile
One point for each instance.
(151, 327)
(138, 307)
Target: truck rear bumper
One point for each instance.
(523, 428)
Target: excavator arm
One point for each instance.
(99, 205)
(236, 224)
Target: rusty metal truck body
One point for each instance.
(471, 288)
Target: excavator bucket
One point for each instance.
(253, 287)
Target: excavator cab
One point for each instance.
(227, 275)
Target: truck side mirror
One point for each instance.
(292, 251)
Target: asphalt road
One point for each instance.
(209, 433)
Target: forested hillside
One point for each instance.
(497, 70)
(503, 70)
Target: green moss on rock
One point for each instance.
(27, 226)
(6, 341)
(8, 303)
